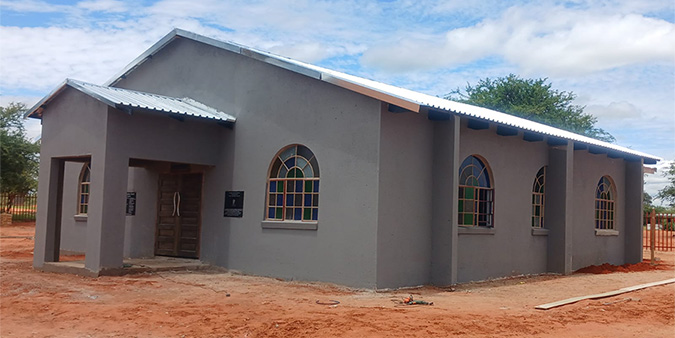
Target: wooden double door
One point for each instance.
(179, 215)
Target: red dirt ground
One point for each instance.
(215, 303)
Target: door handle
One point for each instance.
(178, 209)
(174, 204)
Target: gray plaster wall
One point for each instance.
(405, 206)
(73, 127)
(139, 230)
(511, 248)
(73, 229)
(276, 108)
(587, 248)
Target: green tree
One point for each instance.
(533, 99)
(18, 156)
(667, 194)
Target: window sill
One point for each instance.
(606, 232)
(475, 231)
(80, 218)
(539, 232)
(289, 225)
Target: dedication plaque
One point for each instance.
(234, 204)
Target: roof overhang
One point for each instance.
(130, 100)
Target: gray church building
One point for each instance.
(259, 163)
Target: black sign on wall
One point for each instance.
(234, 204)
(131, 203)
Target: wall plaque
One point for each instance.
(131, 203)
(234, 204)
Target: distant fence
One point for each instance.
(663, 226)
(22, 208)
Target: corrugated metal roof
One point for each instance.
(402, 97)
(131, 99)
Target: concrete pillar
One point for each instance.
(444, 204)
(633, 212)
(106, 217)
(559, 207)
(50, 205)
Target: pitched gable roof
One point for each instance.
(125, 99)
(401, 97)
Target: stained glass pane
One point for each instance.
(307, 214)
(280, 186)
(273, 187)
(298, 200)
(290, 186)
(316, 186)
(315, 214)
(468, 219)
(315, 166)
(298, 186)
(289, 213)
(315, 201)
(275, 169)
(270, 213)
(469, 193)
(308, 200)
(289, 200)
(290, 163)
(280, 200)
(308, 186)
(305, 152)
(309, 173)
(298, 214)
(280, 213)
(300, 162)
(283, 172)
(288, 153)
(272, 198)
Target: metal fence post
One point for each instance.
(652, 236)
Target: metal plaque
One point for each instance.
(234, 204)
(131, 203)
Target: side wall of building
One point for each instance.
(275, 108)
(587, 248)
(405, 206)
(510, 248)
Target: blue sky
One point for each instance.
(617, 56)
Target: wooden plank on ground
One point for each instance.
(603, 295)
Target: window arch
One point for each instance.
(605, 194)
(538, 199)
(293, 185)
(476, 194)
(83, 189)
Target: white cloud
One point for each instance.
(113, 6)
(32, 6)
(552, 40)
(657, 181)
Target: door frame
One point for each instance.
(199, 212)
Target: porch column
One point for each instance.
(106, 216)
(633, 212)
(48, 222)
(444, 202)
(559, 208)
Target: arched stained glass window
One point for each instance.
(538, 199)
(293, 186)
(83, 190)
(475, 193)
(604, 203)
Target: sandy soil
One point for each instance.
(220, 304)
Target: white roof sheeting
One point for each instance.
(405, 98)
(131, 99)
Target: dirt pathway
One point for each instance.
(221, 304)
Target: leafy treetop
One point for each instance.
(533, 99)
